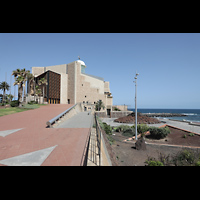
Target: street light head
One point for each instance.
(137, 74)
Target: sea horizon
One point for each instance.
(192, 115)
(167, 108)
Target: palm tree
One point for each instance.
(99, 105)
(31, 80)
(25, 73)
(20, 76)
(38, 93)
(4, 86)
(43, 82)
(10, 97)
(20, 82)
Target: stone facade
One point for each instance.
(78, 87)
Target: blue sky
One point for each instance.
(168, 63)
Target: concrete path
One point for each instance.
(111, 122)
(80, 120)
(25, 140)
(183, 125)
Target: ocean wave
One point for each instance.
(189, 113)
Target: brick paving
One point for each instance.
(34, 135)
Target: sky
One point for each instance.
(168, 63)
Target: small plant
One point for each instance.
(197, 163)
(159, 133)
(141, 128)
(191, 134)
(122, 128)
(32, 102)
(130, 132)
(184, 136)
(14, 103)
(153, 162)
(110, 139)
(107, 128)
(186, 158)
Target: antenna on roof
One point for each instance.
(79, 57)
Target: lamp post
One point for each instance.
(136, 105)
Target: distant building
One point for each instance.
(69, 84)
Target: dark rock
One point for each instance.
(163, 114)
(141, 119)
(140, 144)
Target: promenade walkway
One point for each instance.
(25, 140)
(80, 120)
(183, 125)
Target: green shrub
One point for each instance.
(107, 128)
(110, 139)
(14, 103)
(197, 163)
(153, 162)
(141, 128)
(159, 133)
(32, 102)
(122, 128)
(186, 158)
(130, 132)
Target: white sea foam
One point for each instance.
(189, 113)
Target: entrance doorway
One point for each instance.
(108, 112)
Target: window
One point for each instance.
(85, 96)
(82, 69)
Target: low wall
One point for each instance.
(117, 114)
(77, 109)
(101, 114)
(113, 114)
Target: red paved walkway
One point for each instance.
(35, 136)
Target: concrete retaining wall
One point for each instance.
(101, 114)
(117, 114)
(77, 109)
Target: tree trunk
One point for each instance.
(34, 91)
(20, 91)
(24, 92)
(43, 94)
(4, 92)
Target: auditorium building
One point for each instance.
(69, 84)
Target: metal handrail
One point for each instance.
(53, 120)
(98, 135)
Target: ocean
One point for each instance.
(192, 115)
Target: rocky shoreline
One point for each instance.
(163, 114)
